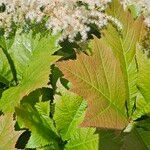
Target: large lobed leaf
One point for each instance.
(98, 78)
(8, 135)
(107, 80)
(35, 73)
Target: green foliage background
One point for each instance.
(87, 96)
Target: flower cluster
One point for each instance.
(143, 6)
(71, 17)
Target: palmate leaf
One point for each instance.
(8, 135)
(98, 78)
(37, 120)
(124, 45)
(69, 113)
(35, 74)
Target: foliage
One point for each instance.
(96, 97)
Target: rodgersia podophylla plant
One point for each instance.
(74, 75)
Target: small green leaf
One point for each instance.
(26, 45)
(69, 113)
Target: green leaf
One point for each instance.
(98, 78)
(83, 139)
(143, 101)
(69, 113)
(123, 45)
(37, 120)
(8, 135)
(5, 70)
(25, 45)
(35, 74)
(7, 64)
(144, 74)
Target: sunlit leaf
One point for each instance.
(143, 101)
(69, 113)
(35, 74)
(98, 78)
(83, 139)
(37, 120)
(123, 44)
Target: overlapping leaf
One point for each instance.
(35, 73)
(98, 78)
(24, 47)
(124, 45)
(5, 71)
(69, 113)
(104, 81)
(139, 137)
(37, 120)
(143, 100)
(110, 140)
(83, 139)
(8, 135)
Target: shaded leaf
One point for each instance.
(110, 140)
(5, 71)
(8, 135)
(138, 138)
(8, 63)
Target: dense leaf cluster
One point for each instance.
(96, 97)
